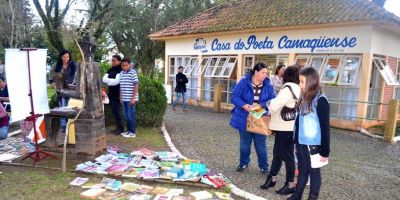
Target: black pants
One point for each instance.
(305, 170)
(283, 151)
(116, 110)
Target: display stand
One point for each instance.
(38, 154)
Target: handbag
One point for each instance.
(289, 114)
(259, 126)
(315, 157)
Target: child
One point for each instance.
(311, 132)
(129, 85)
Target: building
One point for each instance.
(354, 44)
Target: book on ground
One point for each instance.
(78, 181)
(200, 195)
(92, 193)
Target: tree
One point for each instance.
(380, 3)
(130, 33)
(52, 18)
(15, 22)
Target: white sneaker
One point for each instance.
(131, 134)
(125, 134)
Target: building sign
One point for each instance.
(320, 44)
(200, 45)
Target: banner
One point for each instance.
(40, 129)
(17, 74)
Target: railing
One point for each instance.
(392, 118)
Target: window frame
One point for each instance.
(322, 74)
(324, 58)
(191, 66)
(253, 60)
(357, 71)
(385, 71)
(227, 68)
(307, 57)
(200, 68)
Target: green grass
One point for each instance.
(50, 91)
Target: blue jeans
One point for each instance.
(116, 107)
(260, 145)
(3, 132)
(178, 96)
(63, 102)
(130, 115)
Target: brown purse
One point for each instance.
(259, 126)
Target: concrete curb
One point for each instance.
(235, 190)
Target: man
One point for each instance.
(180, 89)
(4, 93)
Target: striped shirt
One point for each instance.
(257, 91)
(127, 81)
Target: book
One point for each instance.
(114, 185)
(174, 192)
(175, 172)
(200, 195)
(149, 174)
(180, 197)
(129, 187)
(78, 181)
(132, 172)
(111, 195)
(92, 193)
(160, 190)
(140, 197)
(162, 197)
(216, 181)
(144, 189)
(117, 169)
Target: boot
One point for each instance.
(119, 129)
(268, 183)
(294, 197)
(313, 196)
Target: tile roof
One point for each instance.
(262, 14)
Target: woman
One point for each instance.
(63, 75)
(254, 88)
(277, 78)
(283, 131)
(111, 78)
(311, 132)
(4, 122)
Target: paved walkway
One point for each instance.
(360, 167)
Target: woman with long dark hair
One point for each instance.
(254, 88)
(64, 75)
(312, 132)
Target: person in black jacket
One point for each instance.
(180, 89)
(111, 78)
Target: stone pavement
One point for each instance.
(360, 167)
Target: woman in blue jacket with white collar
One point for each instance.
(255, 87)
(312, 132)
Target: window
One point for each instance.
(229, 67)
(210, 66)
(282, 60)
(200, 68)
(385, 71)
(221, 66)
(397, 89)
(331, 69)
(248, 64)
(302, 60)
(350, 69)
(172, 66)
(317, 62)
(192, 64)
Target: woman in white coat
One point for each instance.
(283, 131)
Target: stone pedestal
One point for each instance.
(90, 136)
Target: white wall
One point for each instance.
(385, 42)
(361, 42)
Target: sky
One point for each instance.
(393, 6)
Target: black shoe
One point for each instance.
(286, 190)
(117, 131)
(268, 183)
(264, 171)
(294, 197)
(313, 196)
(240, 168)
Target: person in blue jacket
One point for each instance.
(255, 87)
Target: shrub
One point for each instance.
(53, 101)
(152, 102)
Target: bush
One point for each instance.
(53, 101)
(152, 102)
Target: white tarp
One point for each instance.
(16, 63)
